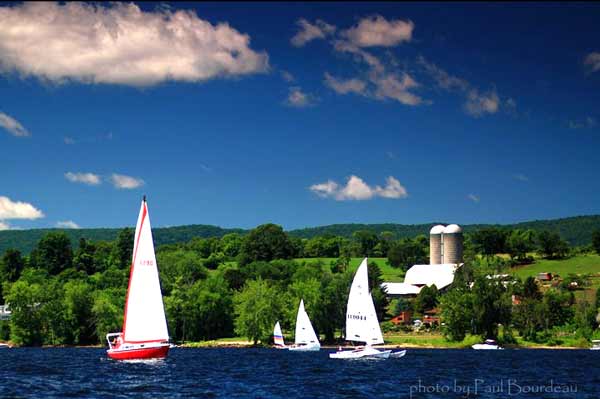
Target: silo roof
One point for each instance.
(438, 229)
(452, 229)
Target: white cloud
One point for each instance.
(120, 44)
(125, 182)
(377, 31)
(319, 30)
(341, 86)
(473, 197)
(69, 140)
(12, 125)
(441, 77)
(479, 104)
(299, 99)
(287, 76)
(357, 189)
(390, 86)
(521, 177)
(67, 224)
(592, 61)
(586, 123)
(90, 179)
(18, 210)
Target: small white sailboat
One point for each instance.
(361, 320)
(278, 337)
(306, 339)
(145, 334)
(489, 344)
(595, 345)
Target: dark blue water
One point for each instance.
(265, 373)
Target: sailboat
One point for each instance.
(145, 334)
(361, 320)
(306, 339)
(278, 337)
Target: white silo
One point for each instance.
(435, 244)
(452, 243)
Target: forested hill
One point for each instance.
(25, 240)
(576, 230)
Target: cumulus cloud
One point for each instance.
(299, 99)
(378, 31)
(393, 87)
(357, 189)
(125, 182)
(69, 140)
(10, 209)
(308, 32)
(67, 224)
(12, 125)
(592, 62)
(479, 104)
(442, 78)
(473, 197)
(90, 179)
(342, 86)
(120, 44)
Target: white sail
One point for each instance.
(144, 311)
(277, 335)
(305, 334)
(361, 319)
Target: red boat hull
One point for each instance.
(156, 352)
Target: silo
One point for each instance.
(453, 244)
(435, 244)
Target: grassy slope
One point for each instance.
(583, 264)
(389, 274)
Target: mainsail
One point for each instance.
(361, 319)
(277, 335)
(144, 311)
(305, 334)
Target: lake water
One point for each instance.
(269, 373)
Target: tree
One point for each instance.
(230, 244)
(380, 298)
(427, 299)
(84, 256)
(183, 264)
(11, 265)
(265, 242)
(518, 243)
(331, 314)
(491, 306)
(596, 241)
(457, 313)
(123, 248)
(107, 311)
(550, 245)
(531, 289)
(367, 241)
(78, 303)
(53, 253)
(407, 252)
(257, 307)
(26, 322)
(489, 240)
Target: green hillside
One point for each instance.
(25, 240)
(576, 230)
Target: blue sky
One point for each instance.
(298, 114)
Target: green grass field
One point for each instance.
(583, 264)
(389, 274)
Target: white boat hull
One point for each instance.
(363, 353)
(304, 348)
(486, 347)
(597, 348)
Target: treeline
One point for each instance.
(234, 285)
(59, 295)
(577, 231)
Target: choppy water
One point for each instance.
(265, 373)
